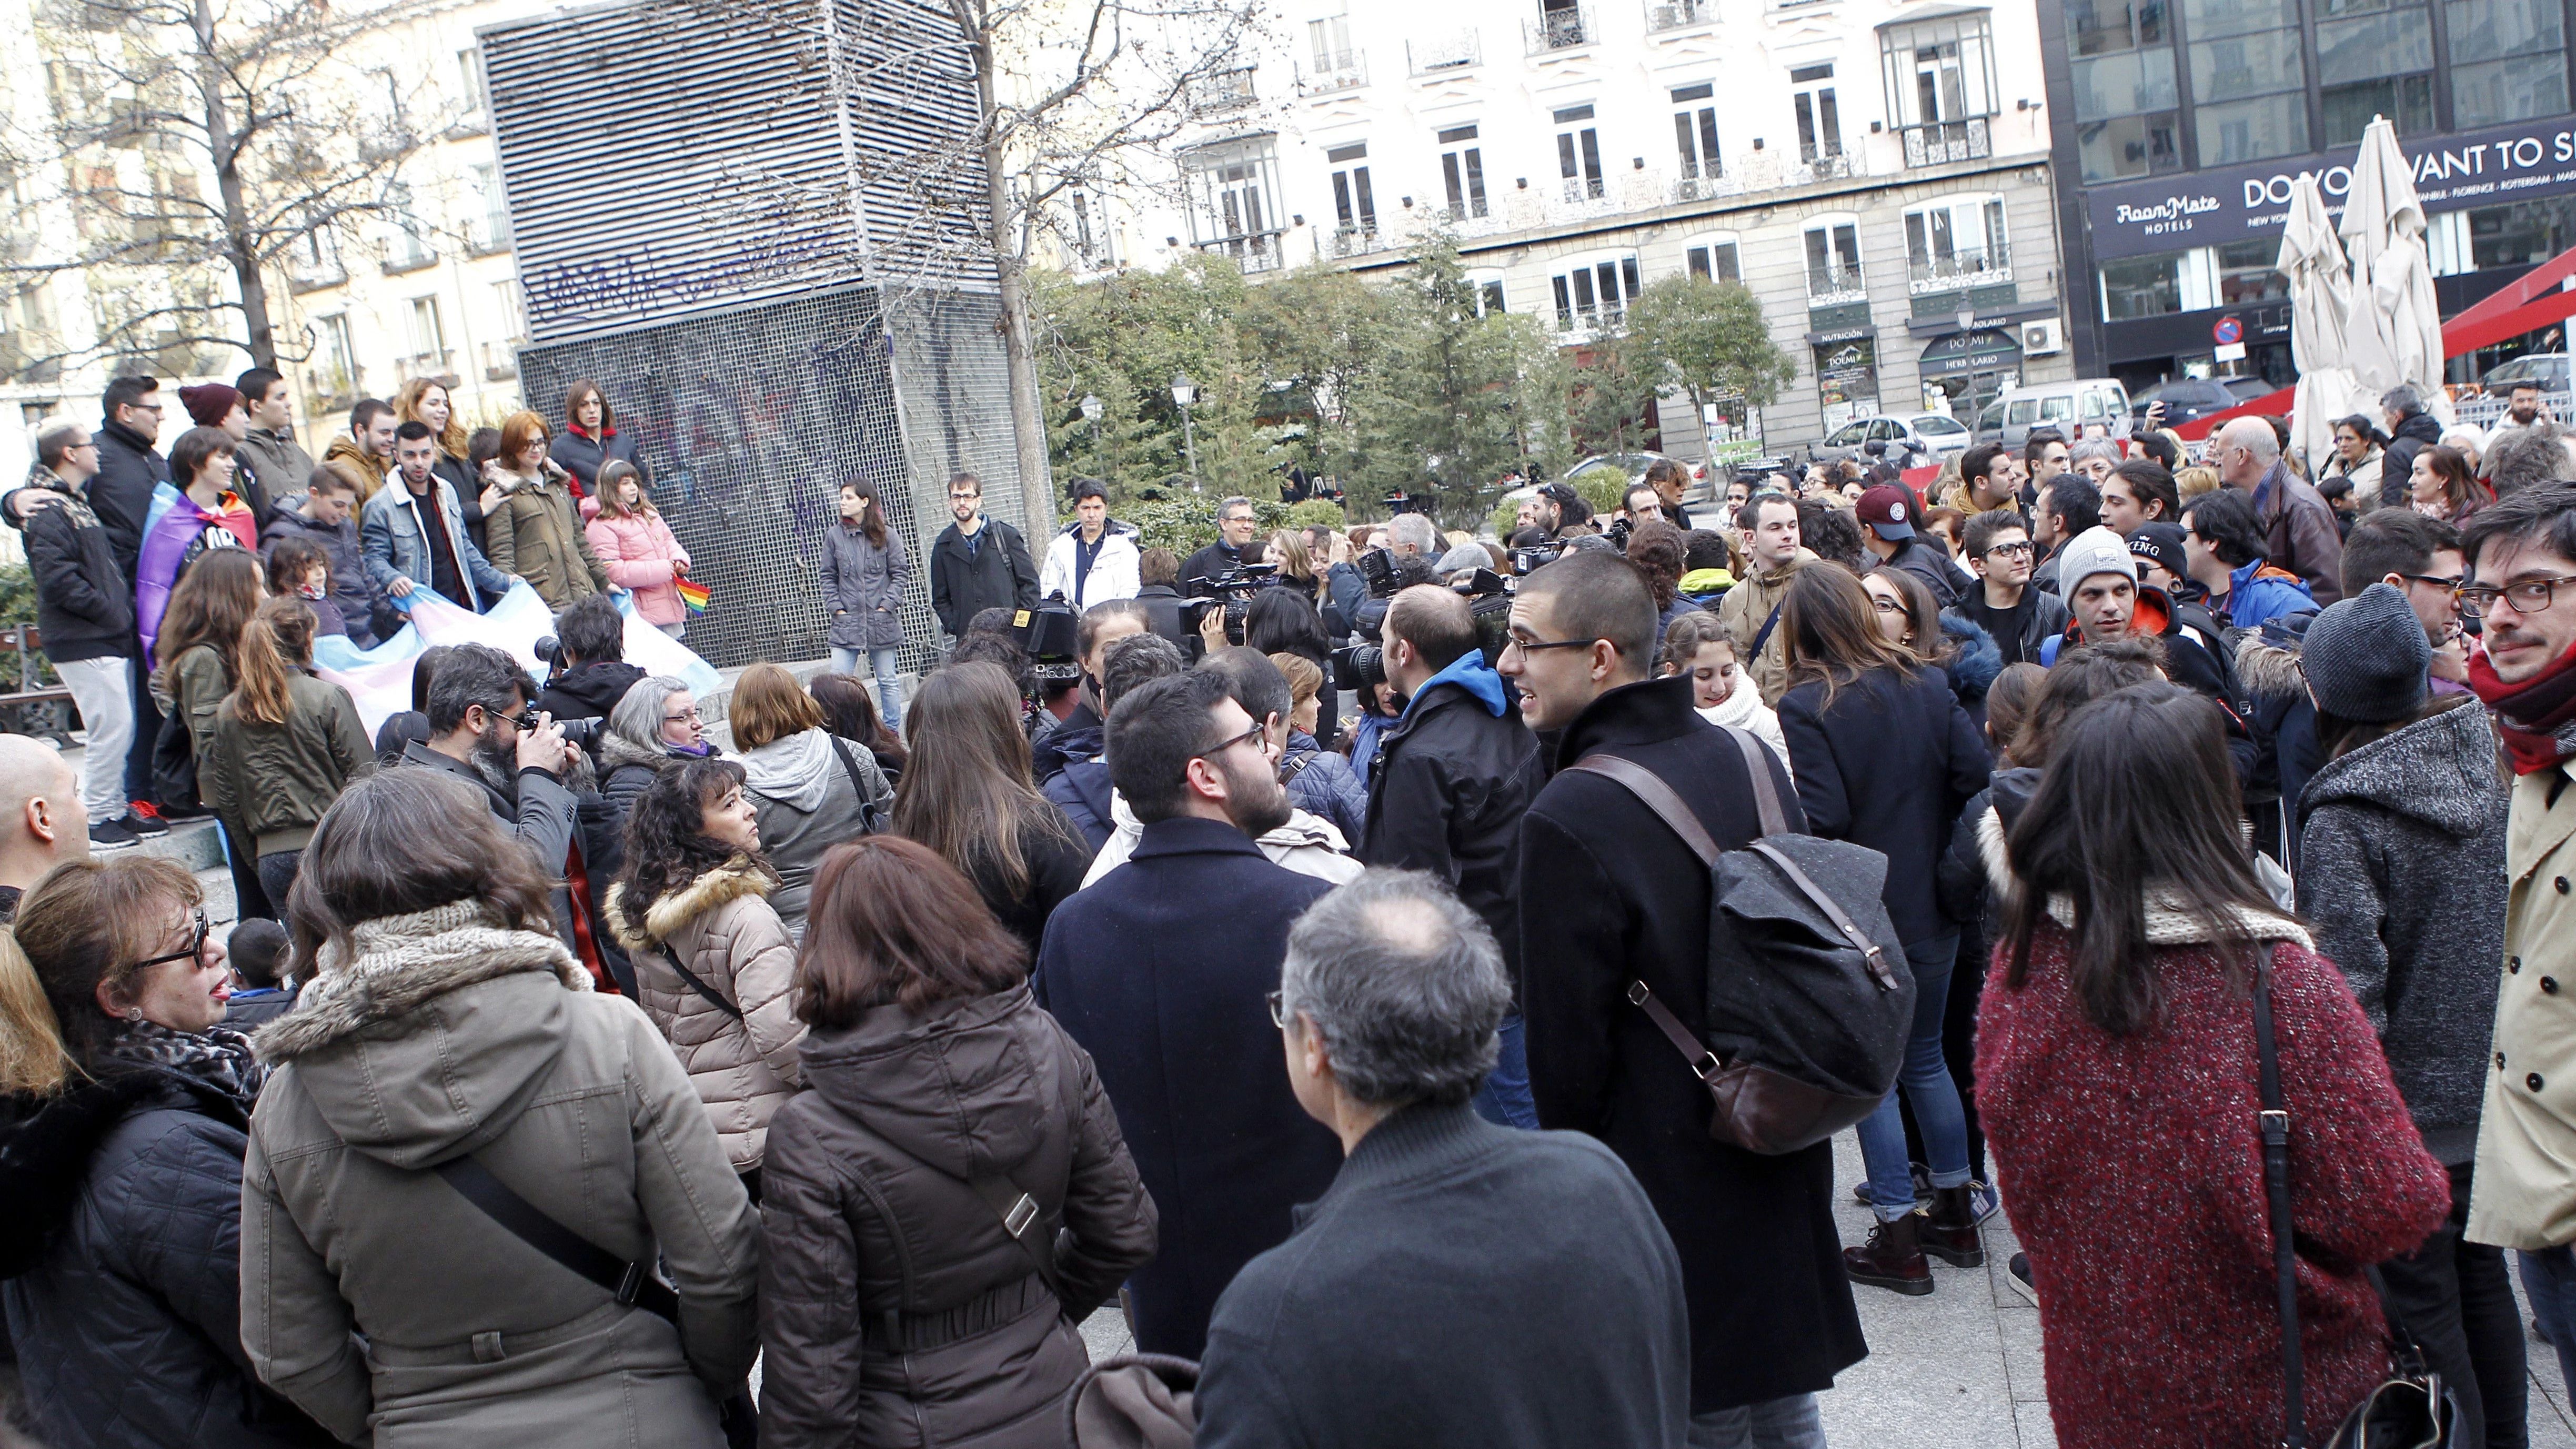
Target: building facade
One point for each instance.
(2185, 124)
(1877, 174)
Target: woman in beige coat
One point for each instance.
(534, 528)
(445, 1041)
(712, 958)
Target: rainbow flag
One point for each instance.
(694, 594)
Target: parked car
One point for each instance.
(2549, 369)
(1907, 440)
(2069, 407)
(2189, 399)
(1697, 490)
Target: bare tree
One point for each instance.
(202, 143)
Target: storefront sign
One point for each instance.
(1970, 352)
(2212, 208)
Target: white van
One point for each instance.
(2066, 406)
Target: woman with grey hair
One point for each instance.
(655, 723)
(1574, 1331)
(2094, 458)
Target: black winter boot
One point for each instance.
(1893, 1259)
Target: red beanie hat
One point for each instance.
(209, 403)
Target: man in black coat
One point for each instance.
(1235, 523)
(128, 470)
(977, 563)
(590, 638)
(1608, 895)
(1449, 784)
(1160, 971)
(1462, 1284)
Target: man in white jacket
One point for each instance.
(1095, 558)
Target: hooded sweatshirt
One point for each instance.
(806, 804)
(1307, 844)
(2260, 592)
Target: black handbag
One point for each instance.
(2410, 1409)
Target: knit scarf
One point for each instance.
(2538, 718)
(218, 1056)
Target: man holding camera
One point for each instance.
(1449, 784)
(1235, 523)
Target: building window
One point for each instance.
(1561, 25)
(2252, 53)
(1820, 124)
(1941, 87)
(410, 245)
(1957, 242)
(1578, 153)
(1234, 201)
(2121, 62)
(2518, 234)
(487, 224)
(1833, 262)
(1354, 203)
(1487, 287)
(1847, 380)
(1094, 244)
(1594, 292)
(428, 336)
(469, 72)
(2247, 273)
(1695, 134)
(2374, 58)
(1714, 258)
(335, 359)
(505, 301)
(2508, 60)
(2155, 286)
(1462, 170)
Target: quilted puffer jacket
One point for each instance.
(721, 927)
(120, 1232)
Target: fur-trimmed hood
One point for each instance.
(737, 878)
(2167, 925)
(616, 752)
(1975, 658)
(2267, 672)
(427, 1034)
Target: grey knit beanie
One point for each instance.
(2367, 658)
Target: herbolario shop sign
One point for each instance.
(2230, 204)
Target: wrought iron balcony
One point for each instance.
(1937, 143)
(1835, 283)
(1457, 50)
(1334, 73)
(1977, 268)
(1677, 14)
(1556, 30)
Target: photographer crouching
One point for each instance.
(1448, 785)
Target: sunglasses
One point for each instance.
(196, 947)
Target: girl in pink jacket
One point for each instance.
(638, 549)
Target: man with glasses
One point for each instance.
(1449, 783)
(1998, 550)
(85, 610)
(977, 563)
(2522, 553)
(2420, 556)
(1609, 900)
(2297, 524)
(1159, 970)
(1235, 523)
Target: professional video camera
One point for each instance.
(1232, 590)
(1377, 573)
(1051, 635)
(1529, 557)
(1359, 669)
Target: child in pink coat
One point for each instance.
(638, 548)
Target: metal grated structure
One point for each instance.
(749, 420)
(685, 187)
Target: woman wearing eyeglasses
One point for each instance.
(1886, 758)
(126, 1113)
(656, 722)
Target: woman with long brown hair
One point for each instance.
(863, 572)
(810, 790)
(631, 538)
(533, 529)
(284, 745)
(121, 1140)
(903, 1299)
(850, 712)
(967, 795)
(2446, 485)
(1885, 758)
(199, 654)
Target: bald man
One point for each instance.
(44, 826)
(2299, 532)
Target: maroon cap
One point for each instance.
(208, 404)
(1887, 509)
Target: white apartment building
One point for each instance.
(1876, 173)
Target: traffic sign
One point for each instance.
(2228, 330)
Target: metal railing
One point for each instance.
(1346, 71)
(1254, 252)
(1225, 91)
(1937, 143)
(1675, 14)
(1836, 283)
(1355, 241)
(1557, 30)
(1455, 51)
(1976, 268)
(1597, 317)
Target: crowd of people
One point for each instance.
(583, 1042)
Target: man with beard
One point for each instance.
(1165, 971)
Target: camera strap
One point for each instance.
(1764, 636)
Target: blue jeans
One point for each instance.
(1925, 1080)
(889, 681)
(2549, 1276)
(1788, 1423)
(1505, 1098)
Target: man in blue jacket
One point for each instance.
(1160, 970)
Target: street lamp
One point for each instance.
(1092, 408)
(1184, 393)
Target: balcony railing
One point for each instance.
(1253, 252)
(500, 361)
(1960, 269)
(487, 234)
(1678, 14)
(1223, 92)
(1345, 71)
(1455, 51)
(1353, 241)
(1938, 142)
(407, 252)
(1835, 283)
(1556, 30)
(1595, 317)
(1700, 181)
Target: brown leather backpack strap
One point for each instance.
(1766, 793)
(1703, 1062)
(1659, 797)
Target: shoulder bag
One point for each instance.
(2410, 1410)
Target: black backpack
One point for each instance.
(1809, 999)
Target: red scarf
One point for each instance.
(2536, 718)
